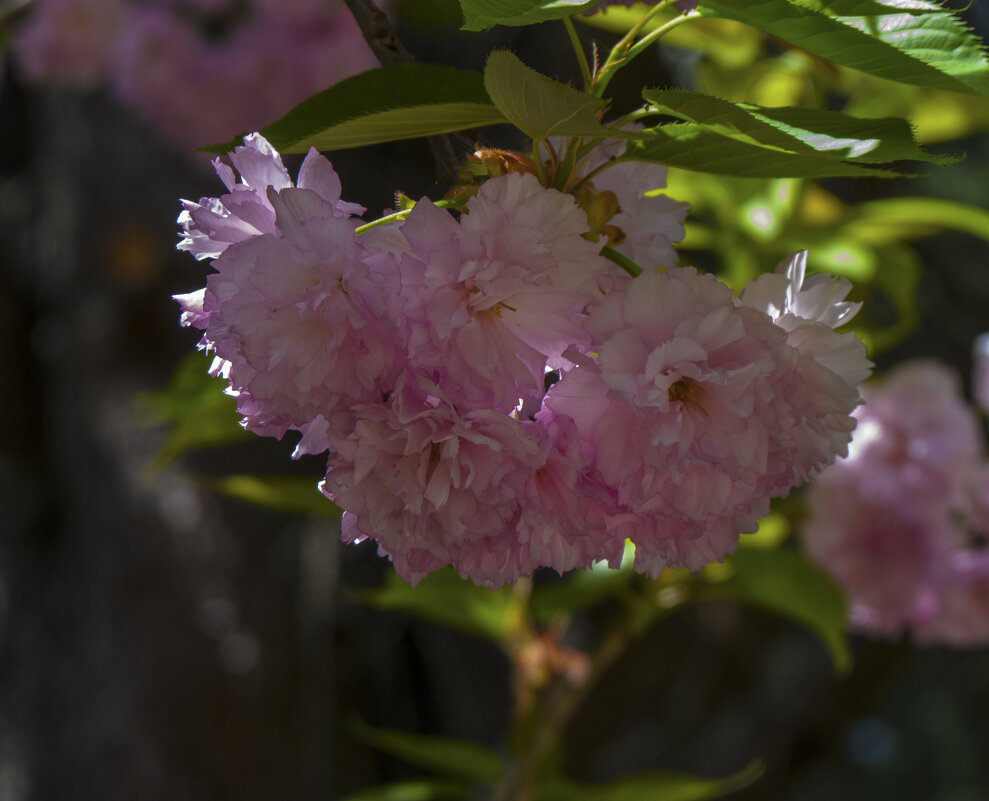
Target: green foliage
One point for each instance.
(932, 49)
(382, 105)
(783, 581)
(444, 756)
(693, 147)
(293, 494)
(482, 14)
(652, 786)
(445, 598)
(536, 104)
(413, 791)
(815, 133)
(194, 405)
(900, 219)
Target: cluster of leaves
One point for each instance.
(745, 147)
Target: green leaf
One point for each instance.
(413, 791)
(294, 494)
(652, 786)
(903, 218)
(692, 147)
(539, 106)
(444, 756)
(401, 101)
(480, 15)
(785, 582)
(803, 131)
(194, 405)
(445, 598)
(932, 49)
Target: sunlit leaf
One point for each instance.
(195, 408)
(811, 132)
(692, 147)
(413, 791)
(932, 49)
(295, 494)
(381, 105)
(444, 756)
(536, 104)
(445, 598)
(783, 581)
(482, 14)
(653, 786)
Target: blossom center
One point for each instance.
(687, 392)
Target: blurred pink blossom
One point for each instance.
(199, 71)
(901, 522)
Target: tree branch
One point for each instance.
(379, 34)
(389, 50)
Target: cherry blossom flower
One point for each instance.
(294, 311)
(419, 355)
(671, 408)
(506, 298)
(212, 224)
(434, 487)
(821, 389)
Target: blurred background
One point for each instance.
(160, 639)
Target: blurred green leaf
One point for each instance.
(194, 405)
(785, 582)
(539, 106)
(932, 49)
(902, 218)
(295, 494)
(653, 786)
(444, 756)
(413, 791)
(809, 132)
(445, 598)
(480, 15)
(401, 101)
(773, 529)
(936, 115)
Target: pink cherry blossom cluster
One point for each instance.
(496, 395)
(200, 70)
(901, 522)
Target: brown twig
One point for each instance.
(389, 50)
(516, 784)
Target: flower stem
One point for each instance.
(624, 262)
(516, 784)
(585, 69)
(628, 48)
(398, 216)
